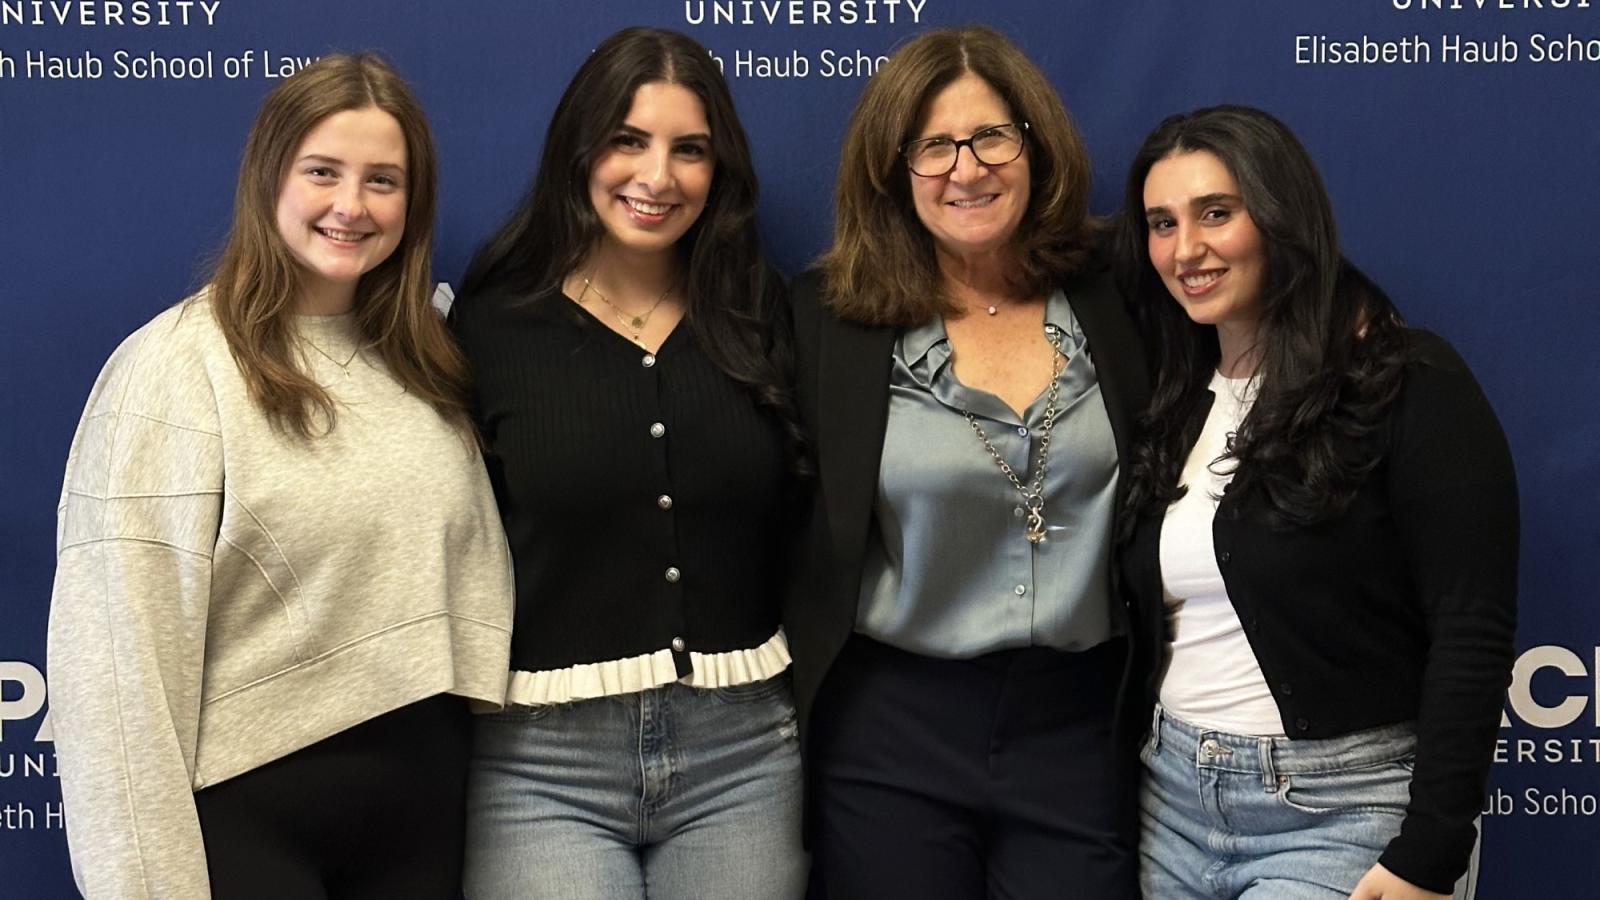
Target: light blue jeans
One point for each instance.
(674, 792)
(1233, 816)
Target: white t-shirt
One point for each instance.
(1213, 679)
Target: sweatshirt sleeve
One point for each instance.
(1454, 498)
(138, 521)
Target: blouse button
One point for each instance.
(678, 644)
(1022, 431)
(1020, 589)
(1224, 557)
(664, 501)
(672, 574)
(1286, 689)
(1301, 724)
(657, 429)
(648, 360)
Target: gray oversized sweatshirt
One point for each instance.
(226, 594)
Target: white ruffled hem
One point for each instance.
(637, 673)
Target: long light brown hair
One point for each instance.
(256, 282)
(881, 268)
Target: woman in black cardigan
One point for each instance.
(630, 357)
(1323, 543)
(959, 650)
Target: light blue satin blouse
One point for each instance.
(950, 572)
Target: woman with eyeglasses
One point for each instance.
(630, 355)
(970, 379)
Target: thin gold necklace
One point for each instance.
(635, 324)
(992, 307)
(343, 366)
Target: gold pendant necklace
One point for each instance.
(635, 324)
(343, 366)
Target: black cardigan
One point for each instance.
(843, 387)
(613, 466)
(1401, 609)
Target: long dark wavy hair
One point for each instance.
(1331, 344)
(736, 304)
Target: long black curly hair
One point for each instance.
(1331, 344)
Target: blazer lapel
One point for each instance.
(1115, 349)
(854, 413)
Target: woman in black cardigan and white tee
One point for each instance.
(629, 352)
(1323, 543)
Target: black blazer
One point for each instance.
(842, 371)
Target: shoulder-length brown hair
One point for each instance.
(256, 281)
(881, 268)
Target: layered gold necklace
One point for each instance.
(635, 324)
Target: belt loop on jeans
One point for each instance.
(1155, 729)
(1269, 775)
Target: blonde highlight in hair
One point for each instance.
(257, 281)
(881, 268)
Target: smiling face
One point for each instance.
(1202, 241)
(342, 208)
(975, 209)
(650, 183)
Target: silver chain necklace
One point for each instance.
(1033, 494)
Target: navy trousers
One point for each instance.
(995, 777)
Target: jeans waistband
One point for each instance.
(1271, 756)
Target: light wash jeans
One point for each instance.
(674, 792)
(1233, 816)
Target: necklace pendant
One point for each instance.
(637, 323)
(993, 309)
(1036, 533)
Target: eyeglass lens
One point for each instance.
(992, 147)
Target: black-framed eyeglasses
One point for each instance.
(992, 146)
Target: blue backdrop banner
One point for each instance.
(1459, 140)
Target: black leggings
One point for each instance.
(375, 811)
